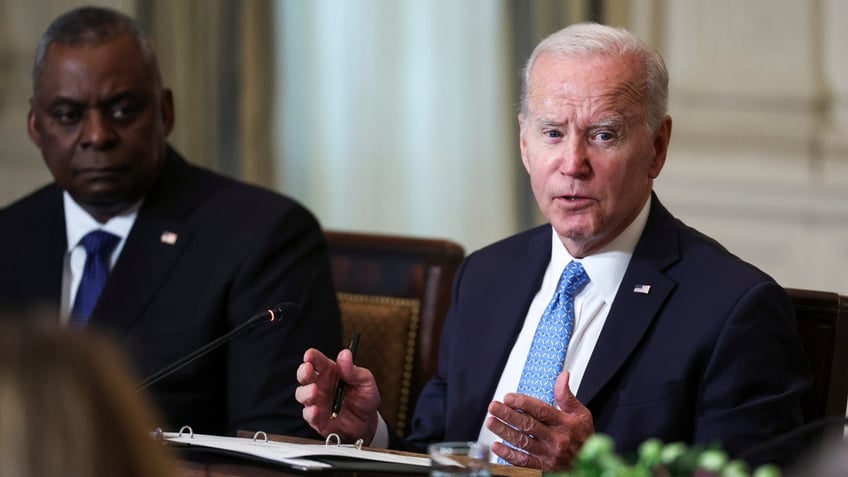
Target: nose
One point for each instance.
(574, 160)
(97, 132)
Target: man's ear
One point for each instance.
(522, 141)
(32, 126)
(167, 111)
(662, 137)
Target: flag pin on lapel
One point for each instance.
(169, 238)
(644, 289)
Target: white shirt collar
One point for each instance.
(606, 267)
(78, 222)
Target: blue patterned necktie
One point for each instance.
(547, 352)
(98, 250)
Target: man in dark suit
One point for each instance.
(194, 254)
(667, 334)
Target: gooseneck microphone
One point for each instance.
(282, 310)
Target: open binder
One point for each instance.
(331, 455)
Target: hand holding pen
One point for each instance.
(319, 378)
(341, 386)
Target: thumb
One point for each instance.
(347, 369)
(563, 396)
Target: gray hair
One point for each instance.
(593, 39)
(94, 26)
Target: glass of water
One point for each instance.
(451, 459)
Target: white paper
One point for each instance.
(295, 455)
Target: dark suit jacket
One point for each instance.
(239, 250)
(710, 354)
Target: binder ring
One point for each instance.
(190, 432)
(263, 434)
(332, 436)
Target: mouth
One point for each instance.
(573, 198)
(574, 201)
(100, 173)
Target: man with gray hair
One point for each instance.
(615, 317)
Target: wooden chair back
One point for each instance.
(824, 331)
(395, 290)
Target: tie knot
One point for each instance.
(99, 242)
(573, 278)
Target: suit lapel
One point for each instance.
(145, 262)
(155, 243)
(507, 298)
(53, 239)
(642, 293)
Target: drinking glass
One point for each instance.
(452, 459)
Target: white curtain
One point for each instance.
(398, 116)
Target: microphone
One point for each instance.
(282, 310)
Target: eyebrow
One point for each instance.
(549, 122)
(615, 121)
(121, 96)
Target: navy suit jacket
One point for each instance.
(239, 250)
(710, 354)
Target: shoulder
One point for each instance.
(33, 207)
(690, 255)
(710, 278)
(236, 191)
(524, 250)
(200, 195)
(715, 261)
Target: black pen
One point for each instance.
(340, 388)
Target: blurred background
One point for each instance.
(399, 116)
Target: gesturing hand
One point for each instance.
(549, 437)
(318, 376)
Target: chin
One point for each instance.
(573, 230)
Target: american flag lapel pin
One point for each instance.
(168, 237)
(643, 289)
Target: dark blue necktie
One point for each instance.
(98, 250)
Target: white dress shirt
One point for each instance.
(78, 223)
(592, 304)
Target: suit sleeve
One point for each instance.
(754, 379)
(289, 262)
(428, 421)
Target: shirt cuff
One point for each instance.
(381, 437)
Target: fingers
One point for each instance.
(314, 363)
(514, 456)
(306, 373)
(517, 427)
(545, 437)
(530, 410)
(316, 377)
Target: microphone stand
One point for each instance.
(272, 314)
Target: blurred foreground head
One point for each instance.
(68, 406)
